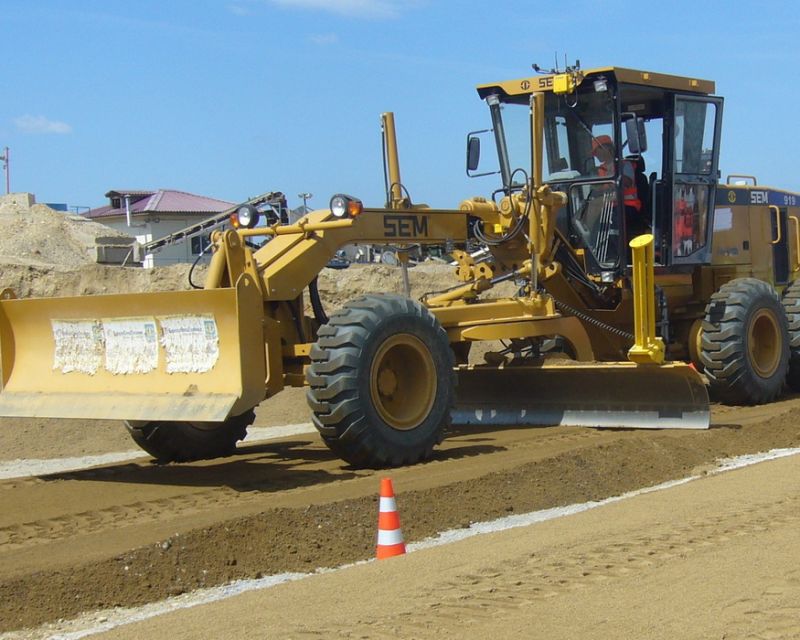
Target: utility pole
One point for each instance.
(305, 197)
(6, 159)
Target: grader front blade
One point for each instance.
(184, 356)
(624, 394)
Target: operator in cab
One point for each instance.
(604, 152)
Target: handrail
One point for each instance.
(777, 223)
(796, 242)
(300, 226)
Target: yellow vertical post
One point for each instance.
(392, 160)
(537, 108)
(647, 348)
(536, 241)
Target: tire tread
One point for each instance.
(724, 351)
(333, 378)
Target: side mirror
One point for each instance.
(637, 136)
(473, 153)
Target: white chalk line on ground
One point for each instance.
(99, 621)
(43, 466)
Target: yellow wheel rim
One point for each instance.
(764, 343)
(403, 381)
(696, 343)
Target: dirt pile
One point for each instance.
(29, 280)
(36, 235)
(338, 286)
(45, 253)
(335, 286)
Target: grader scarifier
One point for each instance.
(595, 279)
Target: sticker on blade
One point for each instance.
(191, 343)
(78, 345)
(131, 345)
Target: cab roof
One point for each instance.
(537, 83)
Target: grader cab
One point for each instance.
(637, 152)
(598, 333)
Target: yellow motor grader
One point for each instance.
(596, 280)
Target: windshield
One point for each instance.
(579, 147)
(517, 126)
(579, 139)
(511, 123)
(579, 136)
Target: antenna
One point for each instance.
(555, 70)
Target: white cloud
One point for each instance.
(381, 9)
(324, 39)
(40, 124)
(239, 10)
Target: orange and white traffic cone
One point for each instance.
(390, 536)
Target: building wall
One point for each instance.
(147, 231)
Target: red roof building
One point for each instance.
(143, 203)
(155, 214)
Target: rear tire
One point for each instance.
(791, 304)
(381, 382)
(745, 345)
(186, 441)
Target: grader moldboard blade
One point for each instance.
(627, 395)
(186, 355)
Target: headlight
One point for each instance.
(339, 206)
(246, 216)
(345, 206)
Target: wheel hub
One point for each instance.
(403, 381)
(387, 383)
(764, 343)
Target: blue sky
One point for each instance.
(231, 98)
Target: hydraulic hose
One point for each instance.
(191, 270)
(316, 303)
(562, 306)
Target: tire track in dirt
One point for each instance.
(324, 515)
(779, 619)
(89, 521)
(497, 591)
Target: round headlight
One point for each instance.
(248, 216)
(339, 206)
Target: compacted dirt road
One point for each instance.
(716, 558)
(130, 533)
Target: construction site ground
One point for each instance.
(713, 558)
(687, 562)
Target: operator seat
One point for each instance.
(639, 222)
(642, 185)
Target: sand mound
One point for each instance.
(36, 235)
(45, 253)
(39, 281)
(335, 286)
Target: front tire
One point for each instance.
(381, 382)
(745, 345)
(791, 304)
(170, 441)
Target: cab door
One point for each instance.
(695, 129)
(779, 221)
